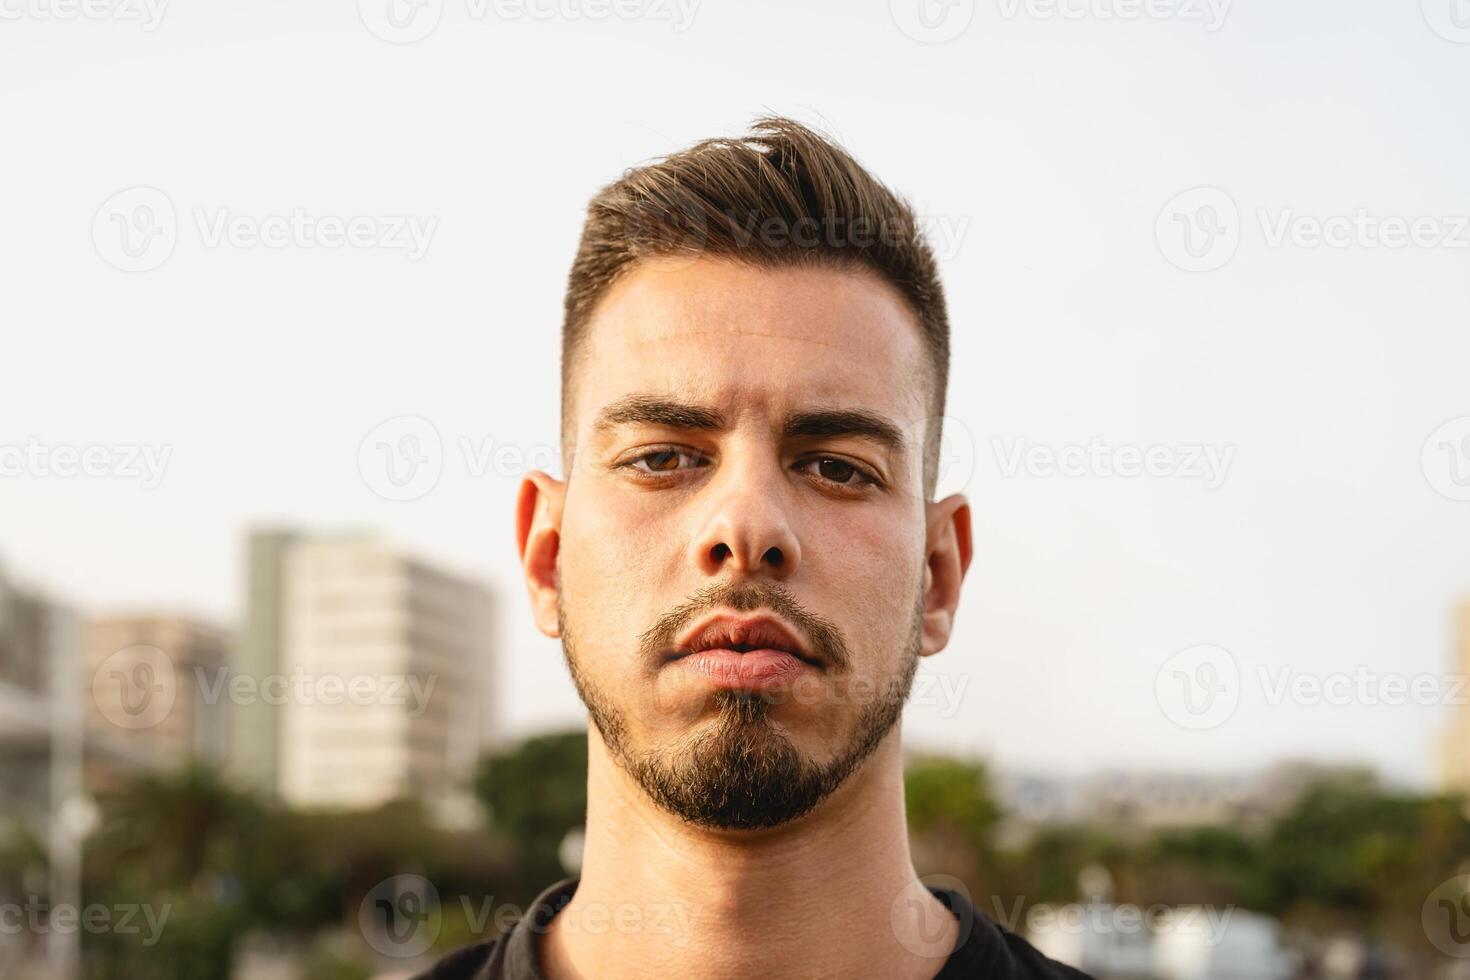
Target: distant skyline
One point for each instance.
(1168, 251)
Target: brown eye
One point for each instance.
(836, 470)
(663, 461)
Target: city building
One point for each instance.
(1454, 767)
(1141, 802)
(42, 746)
(34, 633)
(154, 689)
(255, 724)
(364, 675)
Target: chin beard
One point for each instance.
(743, 773)
(740, 771)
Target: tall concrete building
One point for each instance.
(37, 655)
(255, 723)
(60, 694)
(154, 687)
(24, 636)
(1455, 751)
(368, 672)
(42, 752)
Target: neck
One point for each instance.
(831, 894)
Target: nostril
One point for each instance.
(720, 552)
(774, 558)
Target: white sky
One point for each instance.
(1051, 145)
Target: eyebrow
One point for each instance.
(649, 410)
(845, 422)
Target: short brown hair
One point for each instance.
(781, 195)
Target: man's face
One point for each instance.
(749, 458)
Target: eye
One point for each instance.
(665, 460)
(833, 469)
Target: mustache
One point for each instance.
(823, 635)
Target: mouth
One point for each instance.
(744, 653)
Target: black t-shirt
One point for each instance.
(984, 949)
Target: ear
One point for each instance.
(946, 559)
(538, 536)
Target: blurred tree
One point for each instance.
(1354, 857)
(952, 819)
(1204, 865)
(220, 863)
(176, 826)
(1046, 868)
(170, 846)
(535, 793)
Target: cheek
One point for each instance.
(863, 571)
(616, 537)
(612, 560)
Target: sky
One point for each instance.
(1206, 264)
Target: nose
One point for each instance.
(746, 529)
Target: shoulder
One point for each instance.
(513, 955)
(1022, 959)
(994, 952)
(469, 963)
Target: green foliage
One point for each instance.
(535, 793)
(328, 962)
(1358, 857)
(223, 863)
(1215, 865)
(169, 844)
(952, 820)
(1045, 869)
(950, 795)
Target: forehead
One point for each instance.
(754, 339)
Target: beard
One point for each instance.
(741, 772)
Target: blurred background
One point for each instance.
(282, 289)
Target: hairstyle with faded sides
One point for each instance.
(783, 195)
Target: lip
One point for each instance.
(747, 653)
(751, 670)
